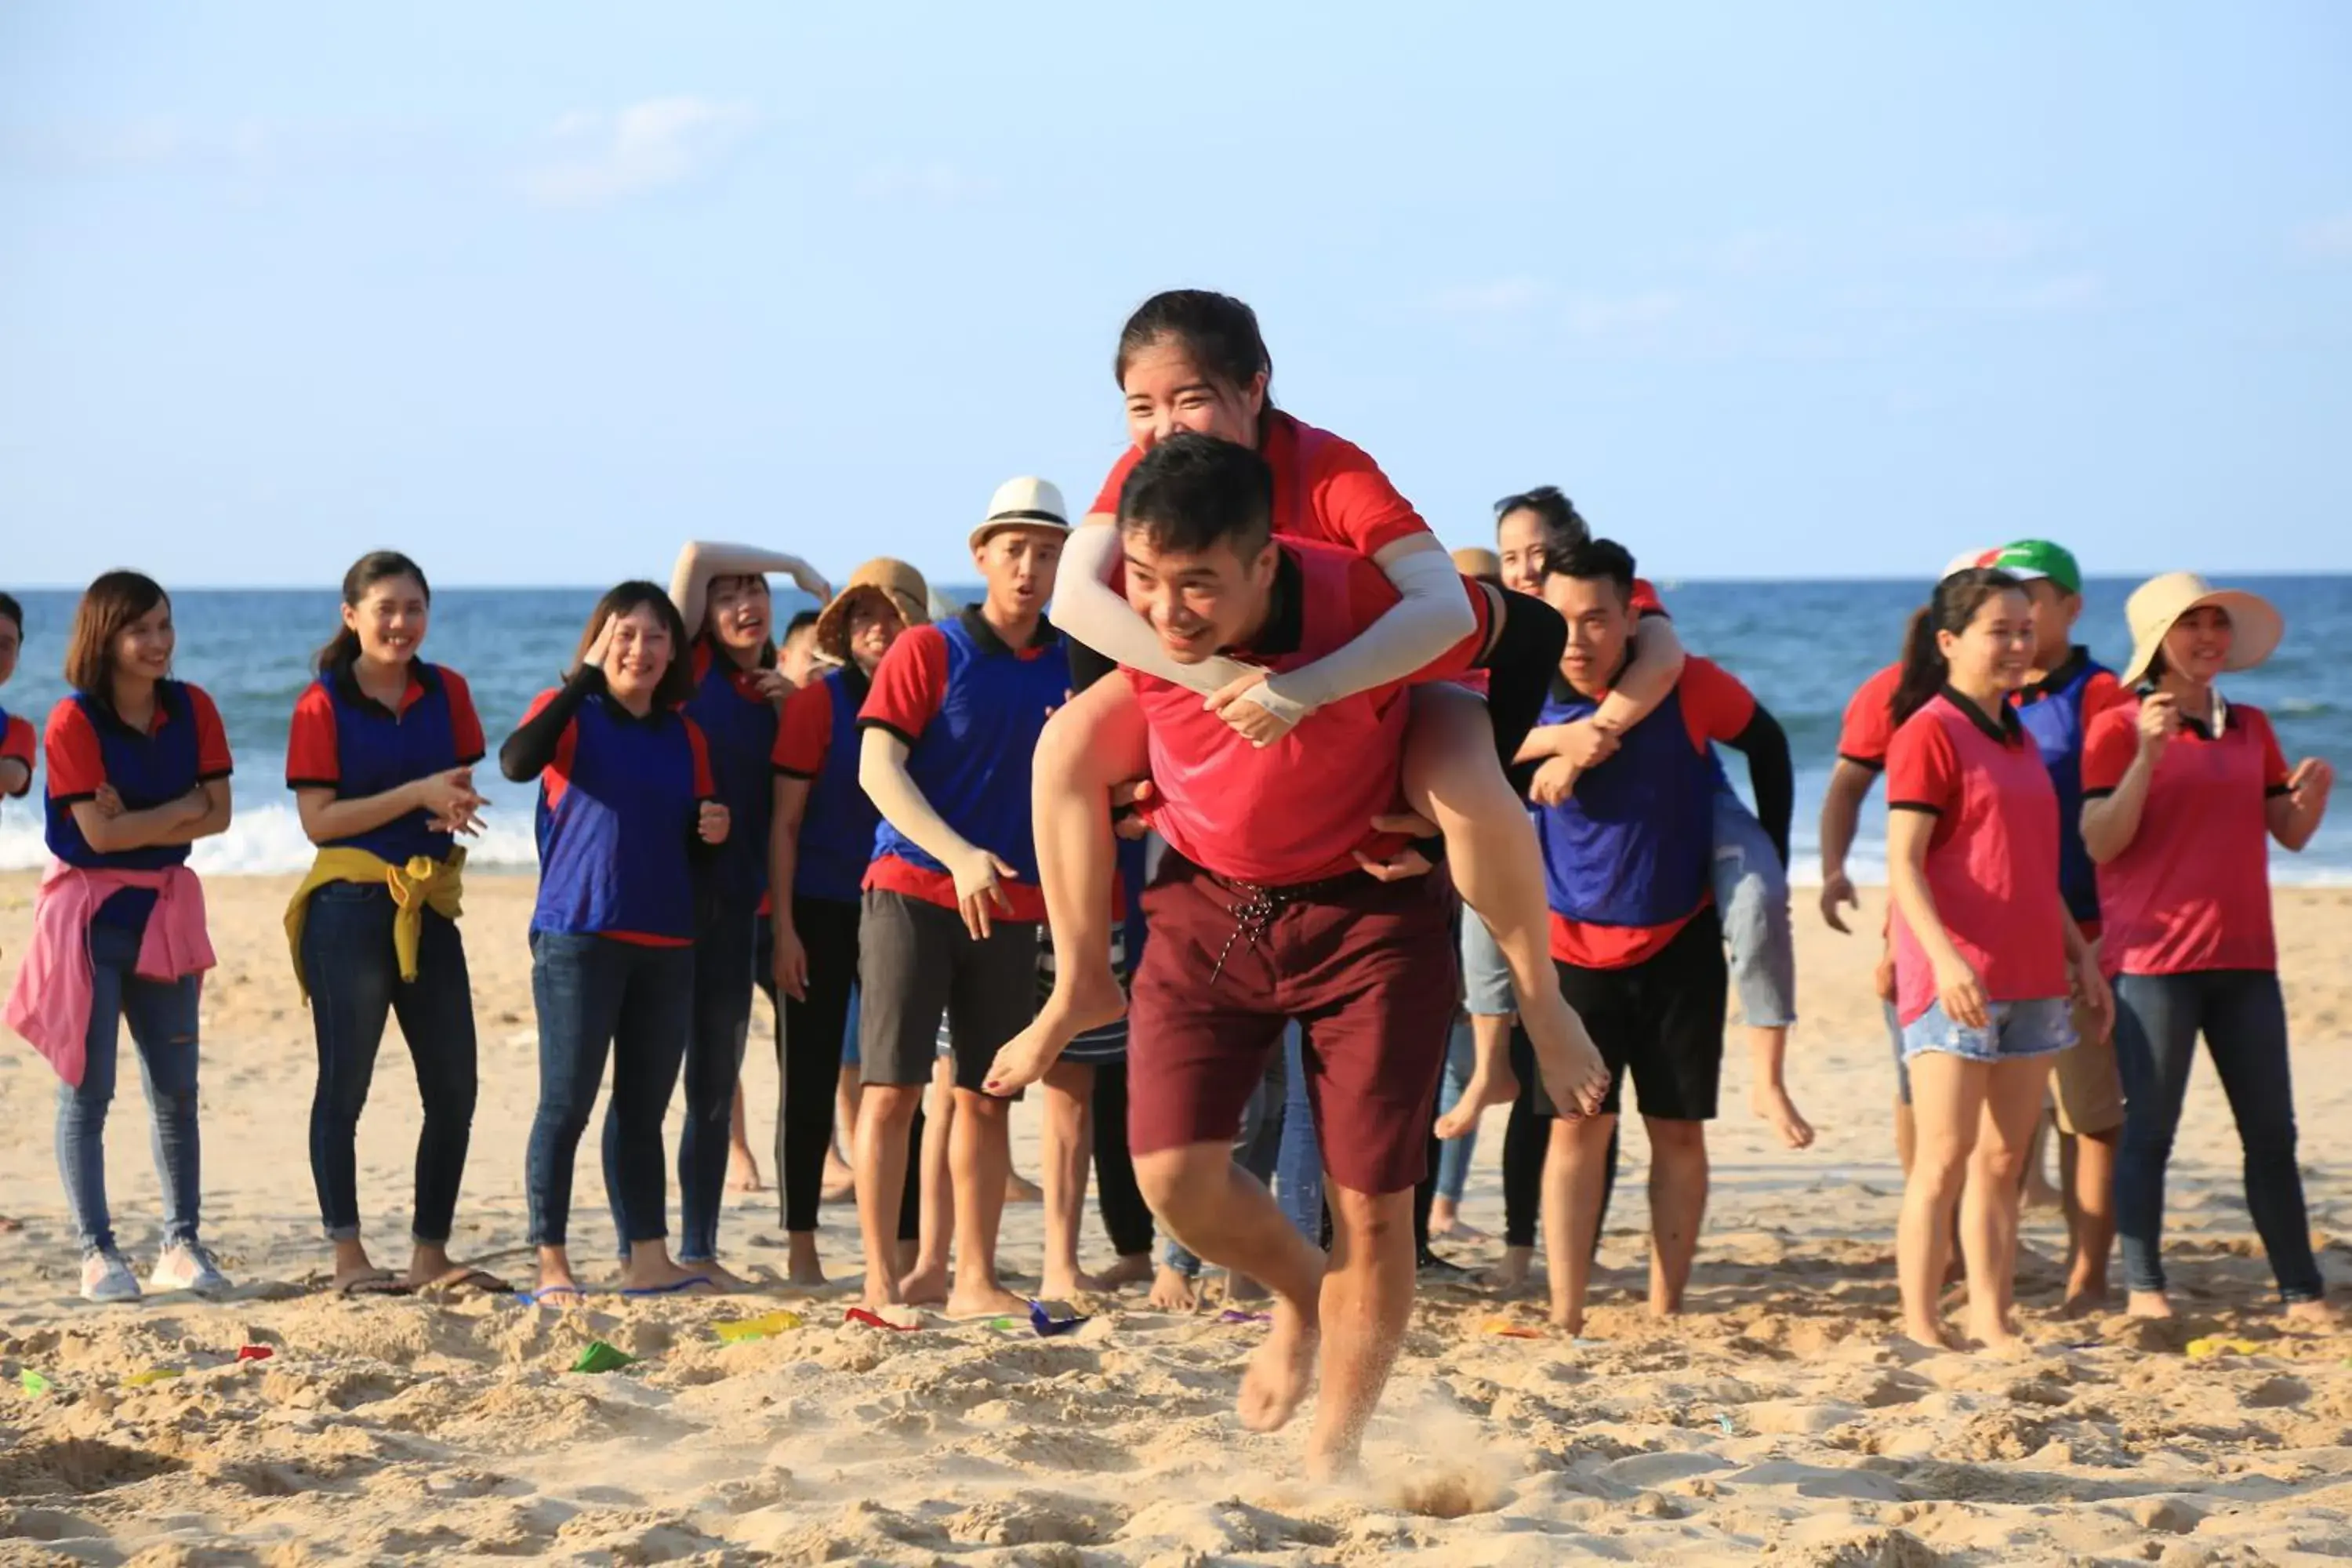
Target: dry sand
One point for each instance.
(1779, 1420)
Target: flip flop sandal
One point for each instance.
(688, 1283)
(554, 1296)
(376, 1285)
(464, 1282)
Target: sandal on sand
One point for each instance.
(384, 1284)
(464, 1282)
(688, 1283)
(553, 1295)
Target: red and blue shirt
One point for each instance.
(817, 742)
(184, 745)
(345, 740)
(617, 819)
(740, 722)
(970, 709)
(16, 745)
(2057, 711)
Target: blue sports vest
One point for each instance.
(972, 760)
(1634, 845)
(146, 770)
(612, 849)
(2054, 720)
(742, 733)
(837, 826)
(376, 752)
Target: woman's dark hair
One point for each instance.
(376, 566)
(677, 680)
(1954, 605)
(766, 658)
(1564, 527)
(13, 611)
(1218, 331)
(108, 605)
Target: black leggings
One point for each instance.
(1125, 1216)
(1526, 1140)
(808, 1063)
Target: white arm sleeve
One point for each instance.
(1433, 615)
(1086, 607)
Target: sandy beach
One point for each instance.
(1779, 1421)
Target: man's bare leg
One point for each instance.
(1451, 778)
(1768, 1053)
(980, 1153)
(926, 1283)
(1367, 1302)
(885, 1114)
(1492, 1081)
(2090, 1217)
(1576, 1170)
(1225, 1217)
(1678, 1177)
(1067, 1148)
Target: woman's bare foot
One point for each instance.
(661, 1272)
(1445, 1220)
(1132, 1268)
(2000, 1341)
(1056, 1286)
(925, 1286)
(1771, 1102)
(2086, 1291)
(2148, 1304)
(1513, 1272)
(1568, 1317)
(801, 1265)
(1573, 1074)
(2317, 1314)
(984, 1299)
(1173, 1290)
(1929, 1334)
(743, 1170)
(555, 1273)
(1089, 1001)
(431, 1265)
(840, 1181)
(1020, 1189)
(1478, 1095)
(1280, 1373)
(722, 1279)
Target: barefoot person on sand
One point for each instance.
(952, 906)
(1635, 930)
(139, 770)
(1262, 912)
(628, 818)
(723, 600)
(1194, 361)
(821, 845)
(1983, 945)
(2181, 790)
(381, 757)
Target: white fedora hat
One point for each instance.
(1024, 502)
(2256, 624)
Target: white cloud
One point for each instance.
(1499, 297)
(601, 158)
(2329, 240)
(1618, 315)
(939, 183)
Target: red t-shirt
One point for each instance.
(1298, 810)
(1869, 724)
(2192, 889)
(804, 734)
(1716, 706)
(1992, 857)
(16, 745)
(1325, 487)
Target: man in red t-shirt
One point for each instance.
(1262, 913)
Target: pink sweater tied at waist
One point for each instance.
(50, 1004)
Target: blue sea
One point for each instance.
(1802, 646)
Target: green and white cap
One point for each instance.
(2031, 558)
(1968, 560)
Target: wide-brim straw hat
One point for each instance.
(882, 581)
(1024, 502)
(1472, 560)
(2256, 625)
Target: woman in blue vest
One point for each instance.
(381, 758)
(627, 812)
(17, 744)
(721, 592)
(139, 770)
(823, 839)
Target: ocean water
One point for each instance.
(1801, 646)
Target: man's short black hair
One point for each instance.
(802, 621)
(1595, 558)
(1192, 492)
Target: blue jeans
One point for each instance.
(1298, 1161)
(1454, 1153)
(2243, 1019)
(1254, 1150)
(723, 957)
(1751, 889)
(162, 1019)
(355, 984)
(598, 996)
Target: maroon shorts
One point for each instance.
(1365, 967)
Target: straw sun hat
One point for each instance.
(2256, 624)
(881, 579)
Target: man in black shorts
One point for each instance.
(1627, 846)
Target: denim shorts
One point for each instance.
(2037, 1028)
(1486, 978)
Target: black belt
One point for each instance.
(1260, 903)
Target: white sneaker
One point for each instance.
(186, 1266)
(105, 1277)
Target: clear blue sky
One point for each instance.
(533, 291)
